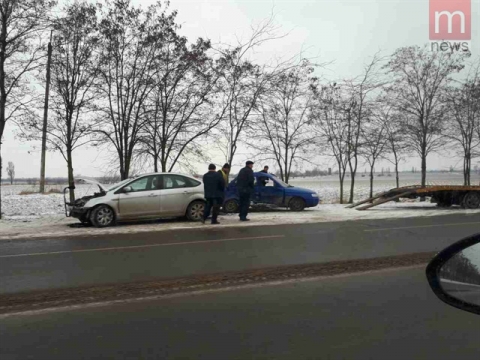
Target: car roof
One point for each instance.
(166, 173)
(264, 174)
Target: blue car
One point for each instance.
(270, 190)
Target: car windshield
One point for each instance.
(117, 185)
(284, 184)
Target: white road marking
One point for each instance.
(420, 226)
(143, 246)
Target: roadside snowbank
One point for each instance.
(57, 226)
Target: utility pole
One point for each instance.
(45, 117)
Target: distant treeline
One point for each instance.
(59, 180)
(114, 179)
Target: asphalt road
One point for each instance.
(383, 315)
(74, 261)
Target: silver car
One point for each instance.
(148, 196)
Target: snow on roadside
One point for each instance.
(56, 226)
(34, 205)
(39, 215)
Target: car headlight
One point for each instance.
(315, 195)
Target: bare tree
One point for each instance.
(131, 41)
(21, 21)
(242, 83)
(284, 131)
(374, 142)
(419, 75)
(180, 109)
(395, 146)
(11, 172)
(463, 122)
(361, 90)
(74, 74)
(330, 125)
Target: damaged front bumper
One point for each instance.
(76, 209)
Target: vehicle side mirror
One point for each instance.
(127, 189)
(454, 274)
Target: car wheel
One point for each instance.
(230, 206)
(102, 216)
(195, 211)
(471, 201)
(297, 204)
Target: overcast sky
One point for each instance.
(346, 33)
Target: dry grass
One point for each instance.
(337, 201)
(48, 192)
(28, 192)
(54, 191)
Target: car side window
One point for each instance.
(144, 184)
(264, 181)
(177, 181)
(192, 182)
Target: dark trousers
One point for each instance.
(243, 204)
(212, 205)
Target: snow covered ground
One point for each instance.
(58, 225)
(38, 215)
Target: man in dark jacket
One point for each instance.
(245, 188)
(214, 188)
(263, 180)
(224, 171)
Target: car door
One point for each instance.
(143, 199)
(272, 193)
(175, 194)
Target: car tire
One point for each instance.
(297, 204)
(102, 216)
(471, 200)
(195, 211)
(230, 206)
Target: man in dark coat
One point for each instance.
(263, 180)
(224, 171)
(214, 188)
(245, 188)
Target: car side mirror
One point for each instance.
(454, 274)
(127, 189)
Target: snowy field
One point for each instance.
(17, 206)
(38, 215)
(329, 190)
(58, 225)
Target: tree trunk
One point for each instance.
(371, 179)
(466, 169)
(155, 163)
(3, 96)
(340, 177)
(1, 170)
(353, 171)
(287, 170)
(424, 170)
(71, 180)
(397, 177)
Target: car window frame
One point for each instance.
(186, 179)
(120, 191)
